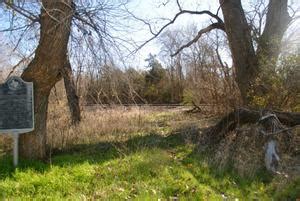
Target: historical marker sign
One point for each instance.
(16, 106)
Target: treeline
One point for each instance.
(199, 77)
(154, 85)
(193, 82)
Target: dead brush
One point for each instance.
(98, 125)
(244, 150)
(6, 143)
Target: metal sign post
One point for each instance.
(16, 148)
(16, 110)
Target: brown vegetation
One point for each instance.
(195, 74)
(115, 123)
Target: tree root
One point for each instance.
(243, 116)
(270, 124)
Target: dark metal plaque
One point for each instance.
(16, 106)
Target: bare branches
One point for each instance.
(218, 25)
(18, 64)
(142, 20)
(25, 13)
(256, 18)
(202, 31)
(179, 6)
(104, 29)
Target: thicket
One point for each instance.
(202, 81)
(153, 85)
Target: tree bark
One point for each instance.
(241, 45)
(44, 70)
(73, 100)
(277, 21)
(247, 62)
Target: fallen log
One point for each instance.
(243, 116)
(195, 109)
(270, 124)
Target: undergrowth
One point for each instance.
(160, 164)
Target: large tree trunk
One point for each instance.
(241, 46)
(247, 62)
(44, 70)
(73, 100)
(277, 21)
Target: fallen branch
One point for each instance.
(270, 124)
(195, 109)
(243, 116)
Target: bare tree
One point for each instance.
(247, 59)
(57, 21)
(44, 69)
(27, 11)
(171, 40)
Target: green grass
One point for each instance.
(143, 168)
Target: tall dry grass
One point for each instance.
(116, 123)
(98, 125)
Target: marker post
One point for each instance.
(16, 148)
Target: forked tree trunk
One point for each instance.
(277, 22)
(73, 100)
(247, 62)
(44, 70)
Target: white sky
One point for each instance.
(154, 11)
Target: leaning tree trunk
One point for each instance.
(241, 46)
(73, 100)
(44, 70)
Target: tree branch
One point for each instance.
(179, 6)
(202, 31)
(18, 64)
(219, 24)
(23, 12)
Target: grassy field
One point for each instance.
(148, 155)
